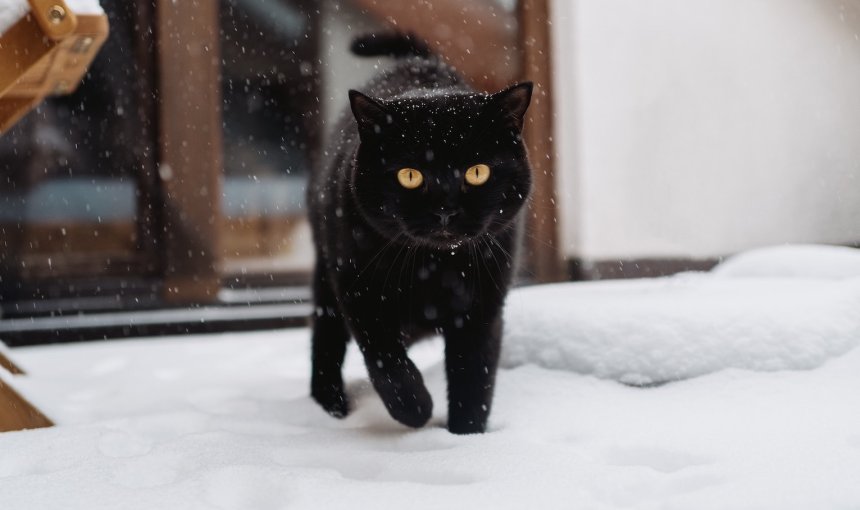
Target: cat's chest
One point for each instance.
(417, 287)
(441, 293)
(429, 277)
(443, 280)
(440, 289)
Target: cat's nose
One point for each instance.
(445, 216)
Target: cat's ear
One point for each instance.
(511, 103)
(371, 116)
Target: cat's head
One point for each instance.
(442, 168)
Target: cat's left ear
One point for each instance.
(370, 115)
(513, 101)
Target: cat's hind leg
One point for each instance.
(328, 347)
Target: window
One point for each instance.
(174, 177)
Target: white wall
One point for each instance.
(703, 127)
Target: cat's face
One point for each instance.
(442, 169)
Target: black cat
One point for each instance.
(416, 221)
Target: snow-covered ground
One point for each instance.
(224, 421)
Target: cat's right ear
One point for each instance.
(512, 102)
(371, 116)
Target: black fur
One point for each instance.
(387, 272)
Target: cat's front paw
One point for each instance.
(466, 427)
(467, 419)
(331, 398)
(414, 411)
(410, 404)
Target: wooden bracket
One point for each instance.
(46, 52)
(54, 17)
(8, 365)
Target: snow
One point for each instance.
(85, 6)
(789, 307)
(13, 10)
(799, 261)
(665, 329)
(224, 421)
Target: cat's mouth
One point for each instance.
(447, 239)
(442, 237)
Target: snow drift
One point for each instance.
(793, 261)
(776, 309)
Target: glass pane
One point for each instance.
(69, 172)
(270, 92)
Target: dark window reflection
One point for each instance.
(70, 170)
(271, 126)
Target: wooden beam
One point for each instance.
(7, 364)
(16, 413)
(478, 37)
(543, 250)
(190, 162)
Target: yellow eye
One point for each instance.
(477, 175)
(409, 178)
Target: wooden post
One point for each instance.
(190, 163)
(543, 254)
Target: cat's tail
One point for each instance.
(391, 44)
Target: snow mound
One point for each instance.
(13, 10)
(805, 261)
(664, 329)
